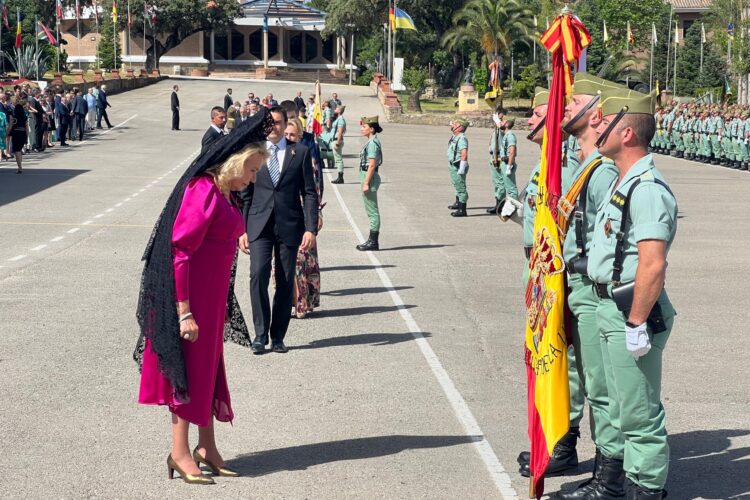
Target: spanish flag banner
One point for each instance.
(546, 336)
(114, 12)
(317, 114)
(18, 29)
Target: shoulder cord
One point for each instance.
(620, 247)
(580, 214)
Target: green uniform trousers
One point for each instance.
(338, 156)
(326, 153)
(687, 141)
(497, 181)
(634, 388)
(727, 148)
(583, 302)
(510, 188)
(677, 141)
(371, 200)
(459, 182)
(716, 146)
(738, 149)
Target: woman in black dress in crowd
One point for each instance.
(18, 133)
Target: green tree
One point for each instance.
(494, 24)
(108, 43)
(689, 76)
(414, 80)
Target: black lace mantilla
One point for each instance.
(157, 311)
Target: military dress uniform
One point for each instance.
(667, 127)
(371, 151)
(687, 136)
(339, 124)
(457, 169)
(705, 137)
(745, 140)
(737, 129)
(496, 144)
(642, 206)
(507, 169)
(715, 133)
(678, 128)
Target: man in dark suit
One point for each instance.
(101, 107)
(299, 101)
(79, 110)
(62, 117)
(228, 101)
(175, 108)
(38, 112)
(216, 130)
(277, 225)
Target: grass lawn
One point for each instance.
(448, 104)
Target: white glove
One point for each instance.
(463, 167)
(508, 169)
(637, 341)
(496, 119)
(508, 209)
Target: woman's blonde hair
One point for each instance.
(234, 166)
(298, 125)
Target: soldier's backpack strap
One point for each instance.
(620, 236)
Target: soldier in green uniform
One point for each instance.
(338, 129)
(585, 194)
(688, 135)
(458, 164)
(496, 144)
(370, 159)
(538, 114)
(667, 128)
(745, 140)
(508, 166)
(737, 128)
(627, 263)
(678, 126)
(727, 139)
(656, 141)
(715, 132)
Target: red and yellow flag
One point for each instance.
(546, 336)
(18, 30)
(317, 114)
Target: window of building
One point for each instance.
(221, 46)
(329, 48)
(295, 47)
(686, 26)
(256, 44)
(238, 44)
(311, 47)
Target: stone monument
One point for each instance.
(468, 98)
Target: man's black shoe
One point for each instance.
(258, 348)
(635, 491)
(279, 347)
(339, 179)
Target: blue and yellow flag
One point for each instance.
(401, 20)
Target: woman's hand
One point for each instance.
(365, 187)
(189, 330)
(244, 244)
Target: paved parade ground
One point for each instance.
(407, 382)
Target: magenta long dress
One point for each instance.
(204, 241)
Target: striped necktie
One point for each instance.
(273, 164)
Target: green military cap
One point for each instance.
(615, 100)
(541, 97)
(462, 121)
(587, 84)
(369, 120)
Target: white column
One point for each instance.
(280, 37)
(213, 55)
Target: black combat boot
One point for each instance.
(637, 492)
(744, 165)
(454, 206)
(715, 160)
(587, 487)
(371, 243)
(737, 165)
(340, 179)
(611, 484)
(564, 456)
(493, 210)
(460, 211)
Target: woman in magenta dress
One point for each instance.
(182, 348)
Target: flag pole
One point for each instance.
(78, 34)
(674, 74)
(145, 13)
(57, 28)
(114, 37)
(702, 41)
(388, 58)
(36, 47)
(393, 52)
(627, 52)
(669, 44)
(2, 14)
(651, 66)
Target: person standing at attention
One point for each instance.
(370, 159)
(175, 106)
(338, 129)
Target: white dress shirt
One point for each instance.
(219, 130)
(280, 154)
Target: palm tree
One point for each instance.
(494, 24)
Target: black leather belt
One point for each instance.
(527, 252)
(602, 290)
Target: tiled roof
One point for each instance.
(690, 5)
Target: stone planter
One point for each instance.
(143, 72)
(115, 74)
(98, 76)
(377, 78)
(57, 79)
(265, 73)
(130, 73)
(338, 73)
(78, 76)
(199, 72)
(155, 72)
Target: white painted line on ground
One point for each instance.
(86, 223)
(74, 230)
(98, 216)
(141, 190)
(496, 470)
(118, 204)
(58, 238)
(37, 248)
(134, 195)
(108, 210)
(17, 257)
(127, 199)
(107, 131)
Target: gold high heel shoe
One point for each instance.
(188, 478)
(217, 471)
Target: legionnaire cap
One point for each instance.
(369, 120)
(614, 101)
(586, 84)
(510, 123)
(462, 121)
(541, 97)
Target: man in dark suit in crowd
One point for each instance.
(216, 130)
(277, 225)
(299, 101)
(228, 101)
(79, 110)
(175, 108)
(101, 107)
(38, 112)
(62, 116)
